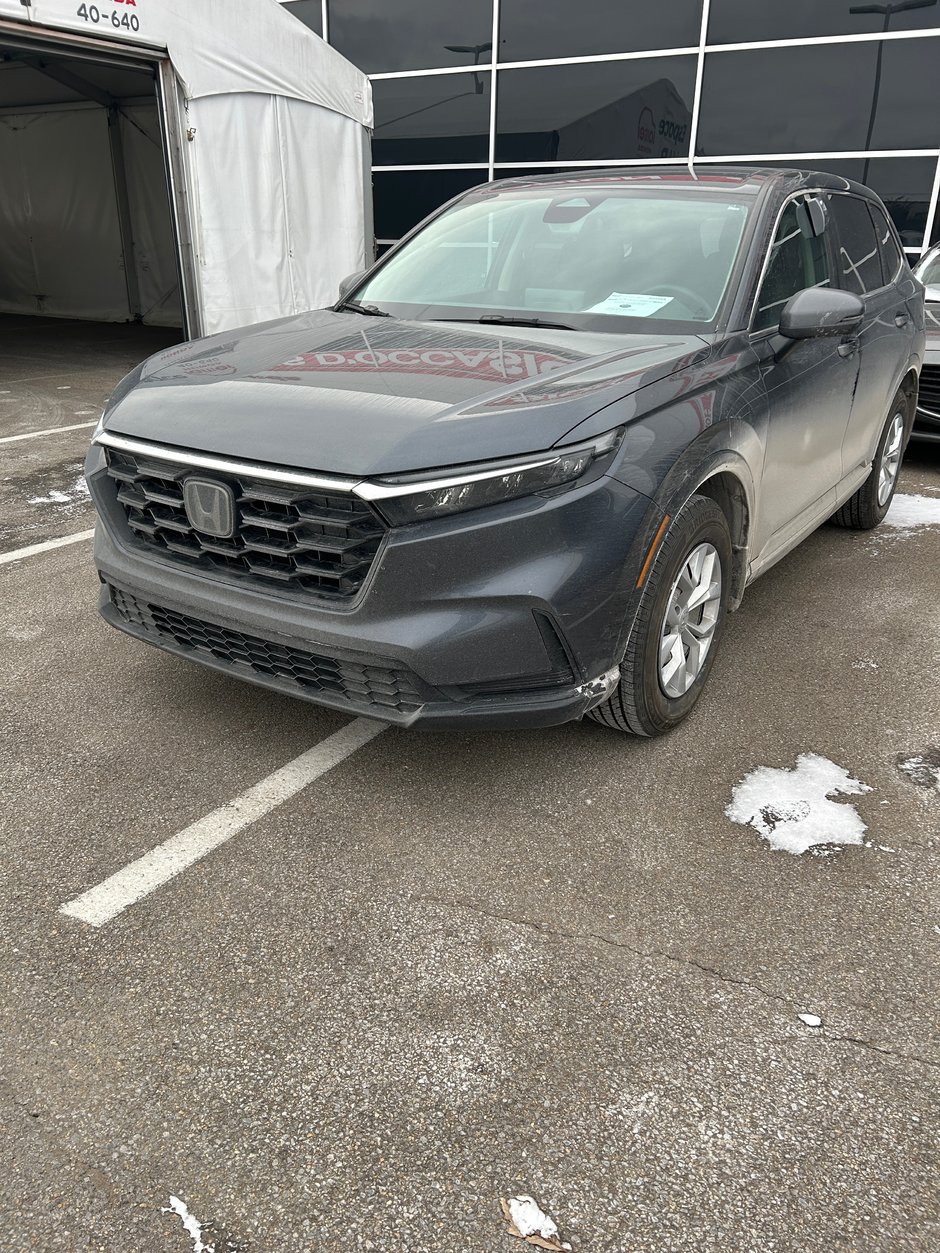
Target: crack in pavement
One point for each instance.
(654, 954)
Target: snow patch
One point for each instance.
(811, 1020)
(72, 495)
(530, 1222)
(862, 663)
(191, 1225)
(791, 809)
(909, 513)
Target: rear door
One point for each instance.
(809, 386)
(870, 264)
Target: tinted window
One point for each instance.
(532, 30)
(798, 259)
(820, 98)
(384, 35)
(903, 183)
(615, 110)
(891, 256)
(310, 12)
(591, 256)
(437, 119)
(740, 21)
(859, 263)
(404, 197)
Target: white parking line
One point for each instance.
(33, 550)
(103, 903)
(52, 430)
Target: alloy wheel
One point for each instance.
(692, 613)
(891, 459)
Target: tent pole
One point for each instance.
(180, 189)
(124, 211)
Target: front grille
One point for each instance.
(930, 388)
(300, 539)
(366, 683)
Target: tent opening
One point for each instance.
(86, 233)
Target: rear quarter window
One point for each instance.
(892, 258)
(859, 255)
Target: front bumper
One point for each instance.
(512, 615)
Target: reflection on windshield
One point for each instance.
(929, 274)
(591, 253)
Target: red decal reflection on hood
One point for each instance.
(477, 363)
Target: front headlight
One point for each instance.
(98, 429)
(417, 498)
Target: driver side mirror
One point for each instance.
(351, 281)
(821, 311)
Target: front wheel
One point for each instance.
(674, 638)
(864, 510)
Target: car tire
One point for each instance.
(864, 510)
(654, 694)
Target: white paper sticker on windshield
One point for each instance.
(630, 305)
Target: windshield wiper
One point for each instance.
(371, 311)
(500, 319)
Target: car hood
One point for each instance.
(348, 394)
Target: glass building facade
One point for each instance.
(470, 90)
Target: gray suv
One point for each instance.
(526, 465)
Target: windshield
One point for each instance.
(929, 274)
(591, 258)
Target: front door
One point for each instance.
(809, 385)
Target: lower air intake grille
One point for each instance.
(930, 388)
(296, 538)
(365, 684)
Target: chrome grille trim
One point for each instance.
(928, 398)
(304, 540)
(226, 465)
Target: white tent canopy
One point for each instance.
(264, 130)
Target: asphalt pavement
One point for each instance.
(456, 967)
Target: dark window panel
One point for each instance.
(740, 21)
(820, 98)
(903, 183)
(538, 171)
(404, 197)
(310, 12)
(859, 264)
(440, 119)
(796, 261)
(535, 30)
(384, 35)
(887, 243)
(617, 110)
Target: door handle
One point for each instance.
(848, 348)
(901, 319)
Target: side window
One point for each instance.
(797, 260)
(891, 255)
(859, 260)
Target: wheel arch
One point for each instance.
(724, 465)
(910, 383)
(728, 491)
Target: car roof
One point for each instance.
(741, 180)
